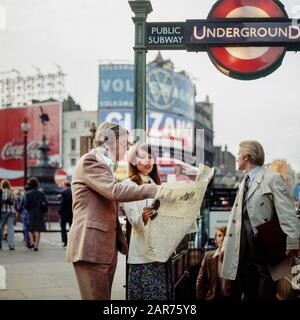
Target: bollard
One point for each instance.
(2, 278)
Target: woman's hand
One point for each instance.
(147, 213)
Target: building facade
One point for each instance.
(75, 124)
(204, 121)
(226, 175)
(17, 90)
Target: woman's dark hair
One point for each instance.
(67, 184)
(33, 183)
(5, 184)
(133, 172)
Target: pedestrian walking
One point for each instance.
(37, 205)
(65, 211)
(25, 218)
(8, 213)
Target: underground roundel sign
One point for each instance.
(245, 39)
(247, 63)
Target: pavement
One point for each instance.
(44, 275)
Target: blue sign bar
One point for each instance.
(231, 32)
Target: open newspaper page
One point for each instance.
(180, 204)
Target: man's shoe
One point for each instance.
(65, 244)
(36, 249)
(11, 248)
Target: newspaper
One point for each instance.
(180, 204)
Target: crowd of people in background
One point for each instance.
(30, 206)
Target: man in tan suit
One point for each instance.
(96, 235)
(262, 198)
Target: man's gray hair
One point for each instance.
(108, 132)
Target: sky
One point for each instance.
(80, 34)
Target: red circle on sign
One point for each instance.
(60, 176)
(223, 7)
(247, 68)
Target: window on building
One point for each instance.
(73, 125)
(208, 141)
(73, 162)
(73, 144)
(87, 123)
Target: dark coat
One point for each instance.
(66, 203)
(209, 285)
(36, 204)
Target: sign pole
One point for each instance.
(141, 9)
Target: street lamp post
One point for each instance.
(141, 9)
(25, 127)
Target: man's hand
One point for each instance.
(147, 213)
(291, 252)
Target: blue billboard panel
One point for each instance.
(297, 192)
(163, 129)
(167, 91)
(115, 86)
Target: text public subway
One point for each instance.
(166, 35)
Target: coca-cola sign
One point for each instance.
(12, 151)
(12, 138)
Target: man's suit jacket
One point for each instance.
(267, 196)
(96, 232)
(208, 278)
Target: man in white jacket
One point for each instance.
(261, 196)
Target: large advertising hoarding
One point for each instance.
(167, 91)
(280, 166)
(165, 130)
(12, 138)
